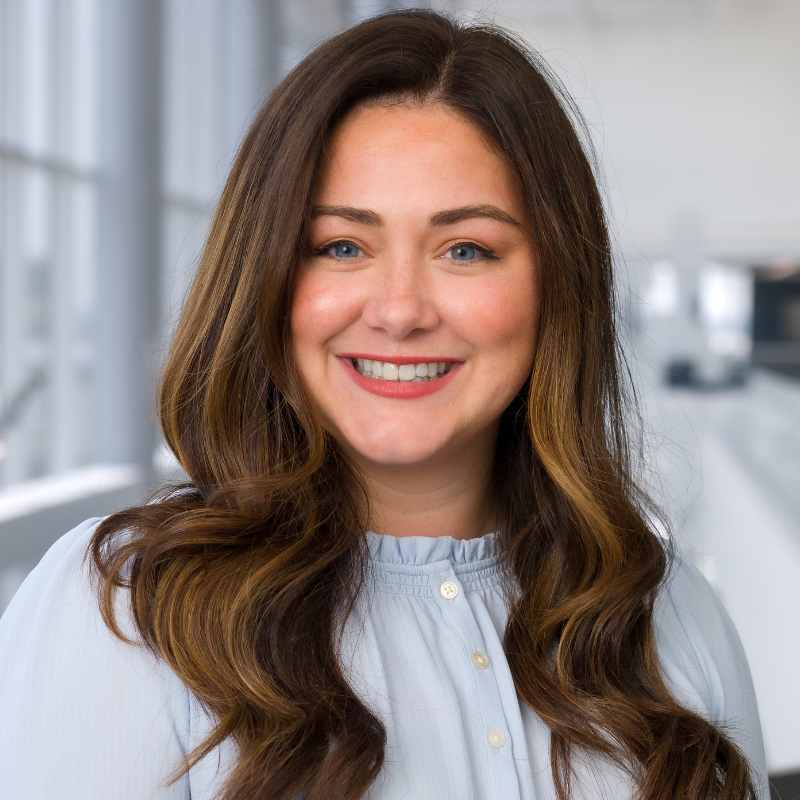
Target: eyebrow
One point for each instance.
(450, 216)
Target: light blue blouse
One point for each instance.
(86, 716)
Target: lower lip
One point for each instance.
(401, 390)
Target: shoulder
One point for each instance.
(704, 661)
(58, 596)
(697, 640)
(55, 613)
(64, 674)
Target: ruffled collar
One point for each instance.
(386, 548)
(413, 565)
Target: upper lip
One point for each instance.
(402, 359)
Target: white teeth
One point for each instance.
(405, 372)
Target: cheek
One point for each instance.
(318, 308)
(501, 314)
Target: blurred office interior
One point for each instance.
(119, 121)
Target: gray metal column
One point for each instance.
(271, 31)
(250, 41)
(129, 230)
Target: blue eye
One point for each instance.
(485, 253)
(324, 250)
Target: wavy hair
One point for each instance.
(242, 577)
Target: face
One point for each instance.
(393, 282)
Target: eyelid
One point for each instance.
(487, 254)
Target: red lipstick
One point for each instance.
(400, 390)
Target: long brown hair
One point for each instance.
(242, 577)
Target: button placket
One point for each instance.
(451, 596)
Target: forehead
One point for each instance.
(415, 154)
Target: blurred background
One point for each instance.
(119, 120)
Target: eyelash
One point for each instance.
(487, 254)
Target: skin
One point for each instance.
(405, 288)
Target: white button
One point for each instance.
(479, 659)
(496, 737)
(448, 589)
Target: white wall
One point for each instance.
(695, 113)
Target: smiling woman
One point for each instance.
(414, 287)
(412, 559)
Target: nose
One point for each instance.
(402, 298)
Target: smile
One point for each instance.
(402, 387)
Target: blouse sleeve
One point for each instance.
(713, 664)
(84, 714)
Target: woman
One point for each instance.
(412, 560)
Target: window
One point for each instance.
(48, 199)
